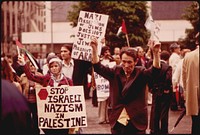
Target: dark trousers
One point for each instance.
(94, 98)
(181, 97)
(128, 129)
(56, 131)
(196, 124)
(174, 104)
(160, 114)
(33, 108)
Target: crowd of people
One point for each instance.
(138, 78)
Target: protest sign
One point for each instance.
(102, 84)
(89, 24)
(154, 29)
(61, 107)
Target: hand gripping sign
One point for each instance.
(61, 107)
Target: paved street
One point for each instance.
(184, 127)
(94, 128)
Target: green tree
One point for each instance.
(191, 14)
(133, 12)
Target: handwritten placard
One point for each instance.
(89, 24)
(102, 84)
(61, 107)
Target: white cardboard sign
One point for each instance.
(61, 107)
(89, 24)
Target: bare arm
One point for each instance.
(155, 46)
(94, 44)
(36, 78)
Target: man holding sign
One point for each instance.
(103, 86)
(89, 24)
(71, 68)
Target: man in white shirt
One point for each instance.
(67, 61)
(177, 77)
(175, 56)
(74, 69)
(173, 61)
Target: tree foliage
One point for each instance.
(133, 12)
(191, 14)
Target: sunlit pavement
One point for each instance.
(184, 126)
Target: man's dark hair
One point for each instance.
(104, 49)
(130, 52)
(164, 55)
(68, 46)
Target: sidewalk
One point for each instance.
(92, 119)
(184, 127)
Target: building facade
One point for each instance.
(18, 17)
(50, 19)
(168, 14)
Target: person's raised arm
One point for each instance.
(155, 46)
(36, 78)
(94, 45)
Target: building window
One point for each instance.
(7, 25)
(44, 27)
(39, 25)
(2, 25)
(13, 23)
(27, 6)
(28, 28)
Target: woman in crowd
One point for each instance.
(29, 87)
(53, 78)
(7, 73)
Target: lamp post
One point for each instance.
(52, 47)
(21, 25)
(51, 21)
(51, 9)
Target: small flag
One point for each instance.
(122, 28)
(32, 60)
(29, 55)
(119, 31)
(19, 44)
